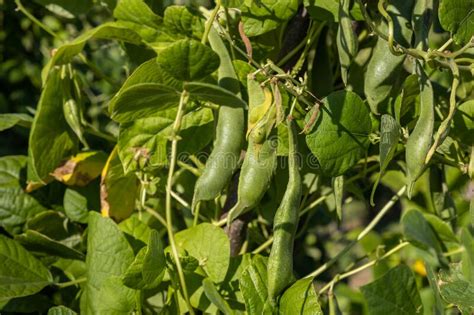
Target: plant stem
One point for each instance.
(361, 235)
(263, 246)
(169, 183)
(337, 278)
(209, 21)
(23, 10)
(156, 215)
(70, 283)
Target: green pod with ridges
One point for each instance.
(421, 138)
(385, 72)
(255, 176)
(229, 141)
(285, 223)
(346, 39)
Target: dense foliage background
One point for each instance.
(112, 114)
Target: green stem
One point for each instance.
(361, 235)
(209, 21)
(338, 278)
(169, 183)
(265, 245)
(23, 10)
(156, 215)
(62, 285)
(387, 17)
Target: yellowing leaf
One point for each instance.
(80, 169)
(257, 113)
(117, 190)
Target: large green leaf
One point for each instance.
(188, 60)
(184, 21)
(210, 246)
(9, 120)
(108, 255)
(418, 231)
(214, 94)
(300, 298)
(339, 138)
(115, 298)
(457, 17)
(37, 242)
(143, 100)
(16, 207)
(393, 293)
(10, 170)
(109, 30)
(143, 143)
(148, 268)
(265, 15)
(21, 273)
(456, 289)
(51, 139)
(137, 16)
(253, 285)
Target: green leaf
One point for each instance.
(51, 140)
(137, 16)
(115, 298)
(143, 143)
(16, 207)
(213, 295)
(183, 20)
(21, 273)
(188, 60)
(147, 72)
(456, 289)
(75, 206)
(418, 231)
(148, 268)
(266, 15)
(136, 231)
(61, 310)
(108, 254)
(443, 230)
(253, 285)
(10, 170)
(117, 190)
(339, 137)
(457, 17)
(37, 242)
(468, 254)
(389, 135)
(109, 30)
(210, 246)
(393, 293)
(142, 100)
(214, 94)
(9, 120)
(464, 122)
(300, 298)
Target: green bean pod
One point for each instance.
(280, 262)
(346, 39)
(229, 141)
(255, 176)
(385, 72)
(420, 139)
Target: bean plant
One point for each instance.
(244, 157)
